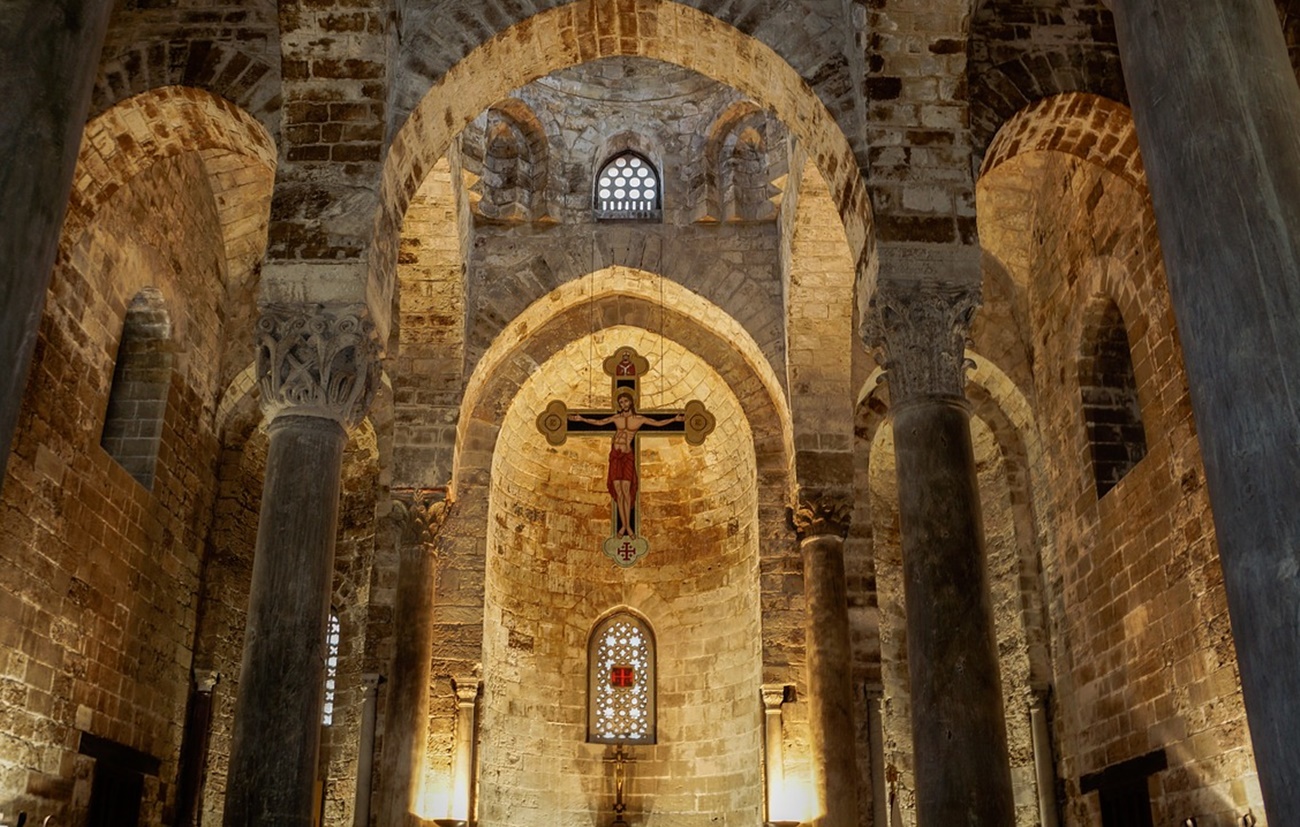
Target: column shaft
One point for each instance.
(366, 755)
(876, 734)
(1217, 111)
(406, 719)
(1044, 764)
(273, 755)
(51, 50)
(462, 788)
(963, 774)
(830, 684)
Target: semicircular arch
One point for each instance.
(587, 30)
(634, 298)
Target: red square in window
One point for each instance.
(622, 677)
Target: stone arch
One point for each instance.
(547, 512)
(504, 157)
(634, 297)
(249, 80)
(1010, 64)
(1092, 128)
(740, 167)
(236, 152)
(590, 29)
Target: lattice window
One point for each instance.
(331, 668)
(627, 187)
(621, 681)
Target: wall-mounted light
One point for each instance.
(1187, 822)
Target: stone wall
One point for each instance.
(1144, 655)
(548, 584)
(101, 588)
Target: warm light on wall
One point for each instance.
(434, 802)
(794, 802)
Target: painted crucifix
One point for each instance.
(627, 423)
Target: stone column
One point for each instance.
(420, 513)
(51, 50)
(876, 737)
(822, 521)
(366, 755)
(1044, 764)
(462, 768)
(194, 749)
(963, 774)
(773, 695)
(317, 370)
(1217, 111)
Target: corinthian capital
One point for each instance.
(316, 361)
(919, 331)
(820, 513)
(420, 512)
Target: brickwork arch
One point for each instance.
(1021, 52)
(1092, 128)
(590, 29)
(443, 33)
(639, 298)
(225, 69)
(236, 153)
(741, 167)
(505, 159)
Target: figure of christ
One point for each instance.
(622, 479)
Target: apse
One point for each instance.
(549, 583)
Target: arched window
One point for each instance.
(1110, 399)
(133, 422)
(627, 187)
(331, 668)
(621, 681)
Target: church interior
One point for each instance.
(933, 499)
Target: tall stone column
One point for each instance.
(963, 774)
(462, 768)
(366, 755)
(773, 695)
(420, 512)
(317, 371)
(51, 52)
(822, 521)
(1217, 110)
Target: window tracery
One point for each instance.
(621, 689)
(627, 187)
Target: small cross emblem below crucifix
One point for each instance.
(625, 367)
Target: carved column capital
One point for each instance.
(205, 680)
(821, 513)
(420, 512)
(314, 360)
(370, 682)
(919, 331)
(773, 696)
(466, 689)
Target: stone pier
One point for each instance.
(1217, 112)
(317, 371)
(963, 774)
(822, 522)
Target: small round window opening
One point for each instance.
(627, 187)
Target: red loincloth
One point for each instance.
(622, 466)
